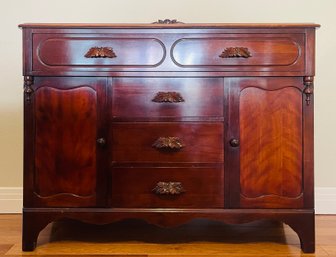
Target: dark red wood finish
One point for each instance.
(133, 187)
(285, 52)
(133, 98)
(266, 170)
(59, 51)
(270, 124)
(66, 164)
(222, 111)
(133, 142)
(267, 51)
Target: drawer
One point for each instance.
(167, 142)
(251, 52)
(162, 97)
(91, 52)
(168, 187)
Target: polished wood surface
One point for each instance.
(271, 147)
(68, 165)
(275, 50)
(259, 159)
(133, 142)
(133, 98)
(169, 125)
(58, 50)
(133, 187)
(136, 238)
(66, 127)
(267, 52)
(176, 25)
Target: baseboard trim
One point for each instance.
(325, 200)
(11, 200)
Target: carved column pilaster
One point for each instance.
(27, 88)
(309, 88)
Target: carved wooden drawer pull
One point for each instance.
(235, 52)
(172, 143)
(168, 188)
(100, 52)
(168, 97)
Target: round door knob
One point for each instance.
(101, 141)
(234, 142)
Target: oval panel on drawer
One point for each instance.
(201, 187)
(167, 98)
(163, 142)
(75, 51)
(247, 51)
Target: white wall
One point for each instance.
(14, 12)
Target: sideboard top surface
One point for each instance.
(169, 26)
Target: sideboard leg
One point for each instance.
(304, 226)
(307, 235)
(32, 224)
(29, 232)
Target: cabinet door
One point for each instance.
(67, 121)
(266, 165)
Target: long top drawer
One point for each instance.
(224, 50)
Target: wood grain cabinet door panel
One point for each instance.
(66, 128)
(270, 143)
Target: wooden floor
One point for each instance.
(136, 238)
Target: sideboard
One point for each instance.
(168, 122)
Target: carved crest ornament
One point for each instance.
(167, 21)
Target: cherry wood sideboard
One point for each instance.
(168, 122)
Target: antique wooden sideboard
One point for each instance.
(168, 122)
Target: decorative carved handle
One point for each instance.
(101, 141)
(234, 142)
(168, 188)
(167, 21)
(235, 52)
(168, 97)
(100, 52)
(172, 143)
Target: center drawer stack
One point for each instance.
(167, 143)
